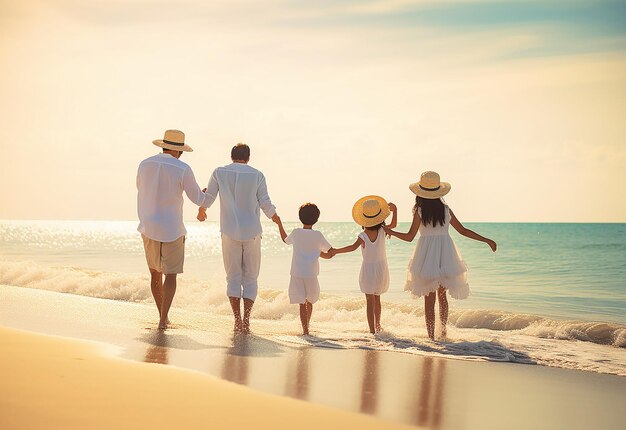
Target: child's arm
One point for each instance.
(471, 234)
(409, 235)
(281, 229)
(349, 248)
(394, 217)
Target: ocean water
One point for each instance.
(553, 294)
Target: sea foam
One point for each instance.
(344, 311)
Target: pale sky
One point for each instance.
(520, 105)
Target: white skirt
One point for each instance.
(437, 262)
(374, 277)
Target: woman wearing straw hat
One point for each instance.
(370, 213)
(436, 265)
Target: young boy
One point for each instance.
(308, 246)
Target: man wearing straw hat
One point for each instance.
(161, 180)
(243, 194)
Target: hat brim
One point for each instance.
(362, 220)
(444, 188)
(161, 144)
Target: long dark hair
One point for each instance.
(433, 210)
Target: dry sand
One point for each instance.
(51, 382)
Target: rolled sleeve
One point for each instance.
(192, 189)
(264, 199)
(212, 190)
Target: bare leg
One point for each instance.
(235, 304)
(309, 311)
(443, 310)
(304, 318)
(169, 289)
(429, 314)
(377, 312)
(370, 312)
(156, 285)
(247, 309)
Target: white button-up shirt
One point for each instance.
(161, 180)
(243, 192)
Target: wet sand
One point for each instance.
(418, 390)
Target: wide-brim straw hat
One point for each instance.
(174, 140)
(430, 186)
(369, 211)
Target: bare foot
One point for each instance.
(245, 327)
(378, 329)
(162, 326)
(238, 329)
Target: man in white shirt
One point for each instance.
(161, 180)
(243, 194)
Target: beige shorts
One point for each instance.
(165, 257)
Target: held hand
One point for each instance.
(392, 207)
(276, 218)
(201, 216)
(492, 245)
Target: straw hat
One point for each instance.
(370, 211)
(174, 140)
(430, 186)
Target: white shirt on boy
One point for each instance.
(307, 245)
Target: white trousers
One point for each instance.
(242, 262)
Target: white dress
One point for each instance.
(437, 262)
(374, 276)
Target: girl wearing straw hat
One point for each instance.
(436, 265)
(370, 213)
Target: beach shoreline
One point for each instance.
(420, 390)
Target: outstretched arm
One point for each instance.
(192, 189)
(469, 233)
(349, 248)
(409, 235)
(281, 229)
(394, 216)
(264, 199)
(211, 194)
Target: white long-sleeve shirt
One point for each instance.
(243, 193)
(161, 180)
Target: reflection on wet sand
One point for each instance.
(369, 388)
(157, 350)
(430, 408)
(298, 381)
(235, 368)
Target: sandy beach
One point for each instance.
(112, 341)
(60, 383)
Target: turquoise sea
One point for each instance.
(546, 282)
